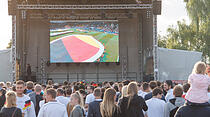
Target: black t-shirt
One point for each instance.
(8, 112)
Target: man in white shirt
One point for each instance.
(168, 86)
(145, 88)
(155, 104)
(52, 108)
(60, 97)
(23, 101)
(90, 97)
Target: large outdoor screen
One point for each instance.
(84, 41)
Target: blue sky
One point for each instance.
(172, 11)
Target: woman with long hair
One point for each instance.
(132, 105)
(108, 108)
(76, 106)
(10, 108)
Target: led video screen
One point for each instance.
(84, 41)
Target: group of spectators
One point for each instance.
(109, 99)
(98, 26)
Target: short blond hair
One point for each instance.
(199, 68)
(10, 99)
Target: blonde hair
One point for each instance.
(69, 108)
(199, 68)
(132, 90)
(10, 99)
(107, 106)
(78, 96)
(124, 91)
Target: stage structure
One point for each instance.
(136, 28)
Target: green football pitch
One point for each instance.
(110, 42)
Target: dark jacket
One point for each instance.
(10, 112)
(35, 99)
(137, 103)
(94, 109)
(172, 106)
(2, 101)
(193, 110)
(149, 96)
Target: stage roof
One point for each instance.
(76, 2)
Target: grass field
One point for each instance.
(110, 42)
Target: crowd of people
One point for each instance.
(109, 99)
(108, 27)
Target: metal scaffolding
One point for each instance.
(99, 7)
(155, 47)
(14, 47)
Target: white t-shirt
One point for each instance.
(139, 92)
(26, 106)
(62, 100)
(142, 94)
(53, 109)
(41, 103)
(169, 95)
(155, 107)
(90, 98)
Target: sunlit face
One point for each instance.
(89, 90)
(166, 87)
(20, 88)
(73, 101)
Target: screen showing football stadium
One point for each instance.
(84, 41)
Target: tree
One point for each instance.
(196, 35)
(9, 44)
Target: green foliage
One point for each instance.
(194, 36)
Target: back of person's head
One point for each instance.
(116, 87)
(158, 83)
(2, 84)
(157, 91)
(152, 84)
(126, 82)
(78, 97)
(51, 92)
(30, 85)
(97, 92)
(76, 88)
(111, 83)
(199, 68)
(82, 92)
(108, 106)
(60, 92)
(145, 86)
(38, 88)
(65, 83)
(132, 89)
(10, 99)
(178, 91)
(55, 86)
(186, 87)
(169, 83)
(68, 91)
(120, 85)
(124, 91)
